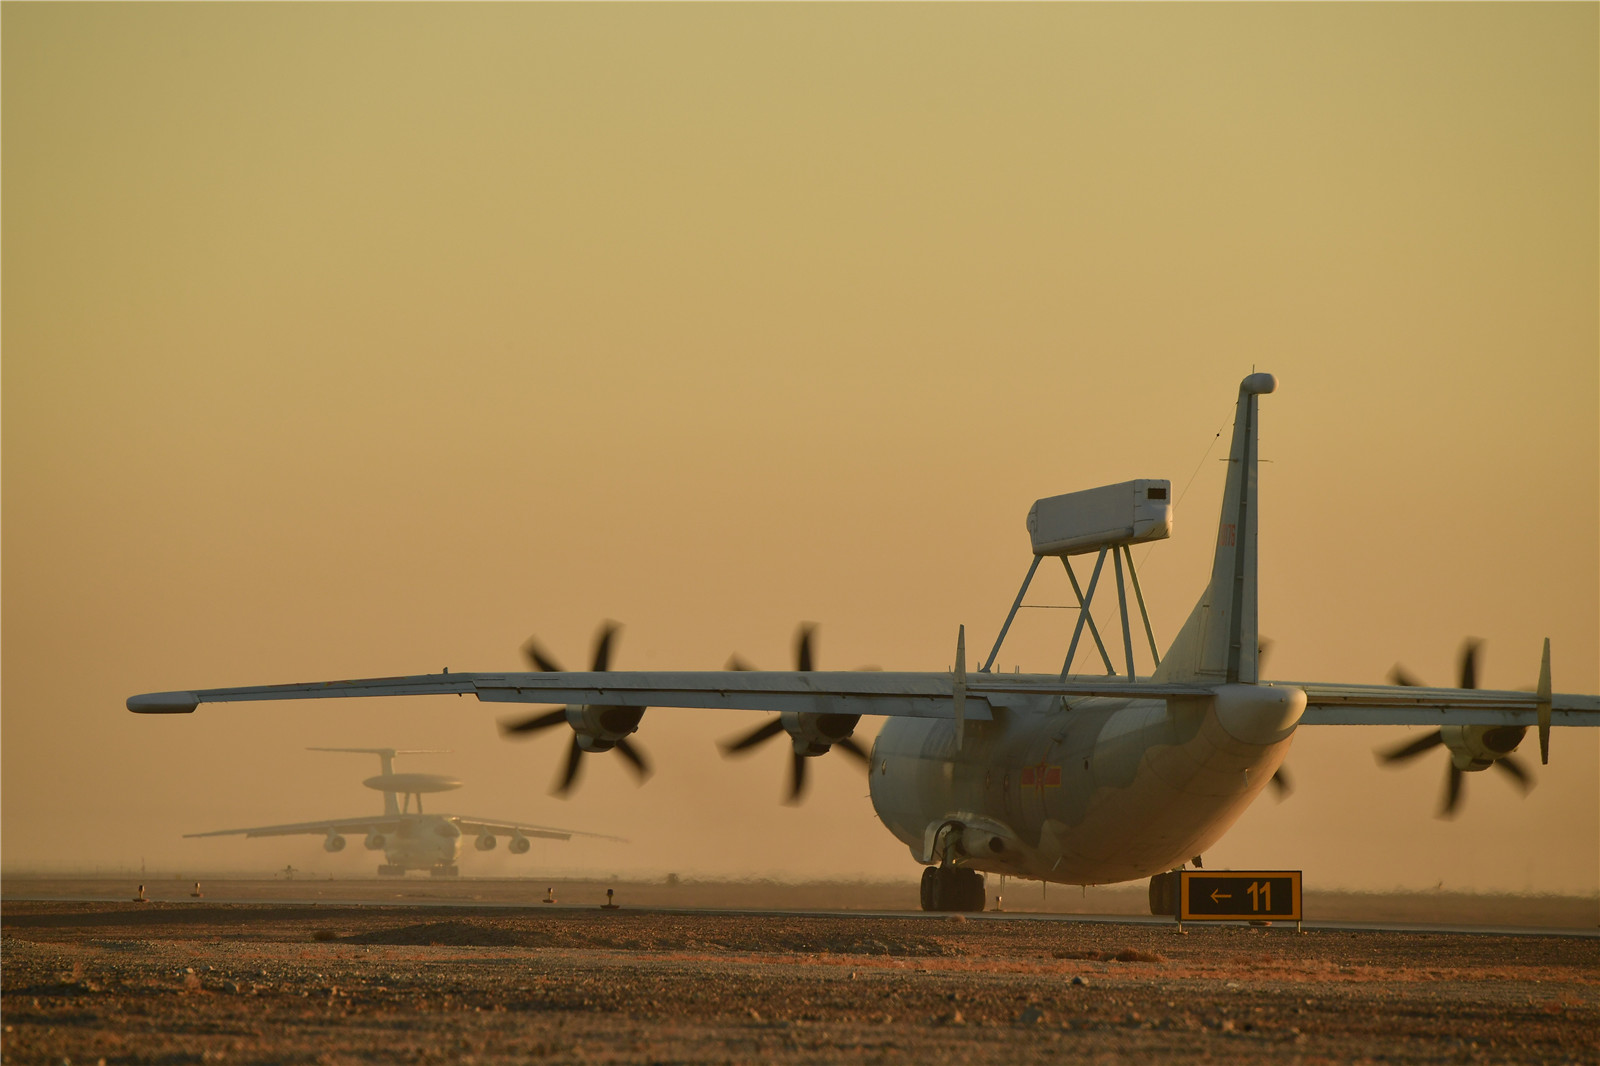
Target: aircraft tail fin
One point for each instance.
(1219, 641)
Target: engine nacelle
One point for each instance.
(375, 842)
(519, 845)
(335, 842)
(485, 842)
(598, 728)
(1477, 747)
(813, 733)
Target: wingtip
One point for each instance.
(164, 703)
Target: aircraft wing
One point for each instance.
(1333, 704)
(920, 695)
(478, 826)
(333, 825)
(917, 695)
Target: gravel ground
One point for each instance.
(204, 982)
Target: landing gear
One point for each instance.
(388, 870)
(444, 871)
(952, 888)
(1164, 894)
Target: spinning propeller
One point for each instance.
(829, 723)
(1282, 786)
(1499, 741)
(618, 721)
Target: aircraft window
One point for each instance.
(1155, 494)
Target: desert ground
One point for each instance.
(424, 972)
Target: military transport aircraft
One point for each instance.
(1067, 778)
(412, 840)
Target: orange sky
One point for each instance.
(368, 339)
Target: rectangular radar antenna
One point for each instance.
(1111, 519)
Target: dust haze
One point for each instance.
(347, 341)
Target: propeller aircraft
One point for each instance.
(1062, 777)
(411, 840)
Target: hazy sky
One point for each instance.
(352, 340)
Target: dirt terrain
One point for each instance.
(204, 981)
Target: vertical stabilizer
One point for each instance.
(1218, 642)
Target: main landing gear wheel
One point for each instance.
(951, 888)
(1164, 894)
(445, 871)
(387, 870)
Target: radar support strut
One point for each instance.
(1108, 519)
(1120, 553)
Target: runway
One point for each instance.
(1464, 914)
(987, 916)
(487, 980)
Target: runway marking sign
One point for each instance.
(1238, 895)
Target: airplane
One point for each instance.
(411, 840)
(1063, 778)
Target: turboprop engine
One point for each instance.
(1474, 747)
(335, 842)
(813, 734)
(485, 842)
(519, 845)
(375, 842)
(595, 728)
(1477, 747)
(599, 729)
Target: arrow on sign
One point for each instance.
(1218, 895)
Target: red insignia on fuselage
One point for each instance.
(1041, 776)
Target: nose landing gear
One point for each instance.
(952, 888)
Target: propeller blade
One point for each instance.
(736, 663)
(537, 658)
(1399, 676)
(602, 647)
(851, 747)
(1544, 705)
(1413, 749)
(802, 646)
(797, 777)
(536, 723)
(1452, 793)
(570, 774)
(760, 733)
(629, 751)
(1514, 768)
(1469, 663)
(1282, 787)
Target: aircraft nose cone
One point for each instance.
(1259, 714)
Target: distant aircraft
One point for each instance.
(411, 840)
(1056, 777)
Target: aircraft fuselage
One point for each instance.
(1090, 791)
(421, 842)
